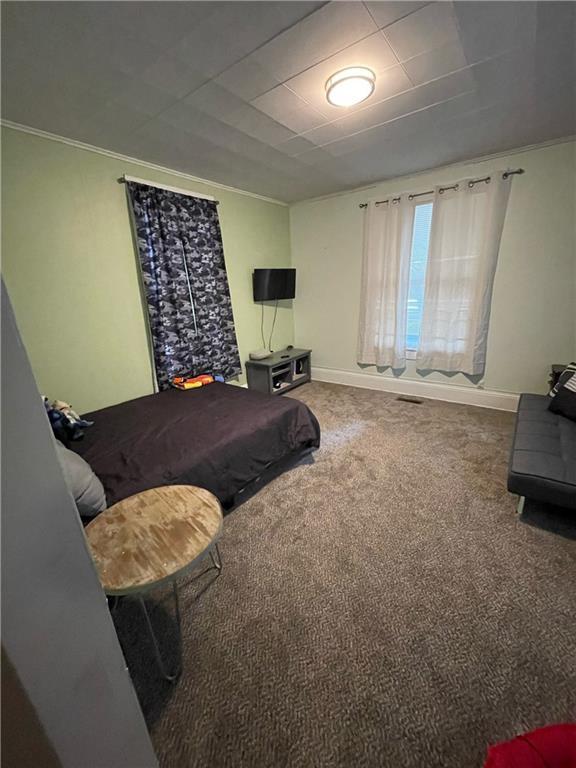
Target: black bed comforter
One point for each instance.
(220, 437)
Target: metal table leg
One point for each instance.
(174, 676)
(216, 561)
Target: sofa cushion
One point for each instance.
(543, 458)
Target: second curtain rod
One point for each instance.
(486, 179)
(178, 190)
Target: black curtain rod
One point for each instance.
(123, 180)
(486, 179)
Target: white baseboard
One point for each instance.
(450, 393)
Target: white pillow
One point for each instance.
(84, 485)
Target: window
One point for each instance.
(427, 275)
(417, 279)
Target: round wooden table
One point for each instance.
(154, 538)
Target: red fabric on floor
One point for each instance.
(551, 747)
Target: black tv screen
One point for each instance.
(273, 284)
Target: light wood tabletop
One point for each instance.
(153, 537)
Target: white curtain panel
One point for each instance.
(464, 240)
(385, 275)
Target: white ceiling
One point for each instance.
(234, 91)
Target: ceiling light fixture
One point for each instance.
(350, 86)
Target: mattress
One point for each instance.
(219, 437)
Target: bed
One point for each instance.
(225, 438)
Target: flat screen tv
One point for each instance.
(274, 284)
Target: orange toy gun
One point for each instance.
(181, 382)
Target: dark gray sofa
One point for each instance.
(543, 458)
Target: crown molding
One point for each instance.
(127, 159)
(457, 164)
(217, 185)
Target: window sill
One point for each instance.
(410, 354)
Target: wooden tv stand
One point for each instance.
(280, 372)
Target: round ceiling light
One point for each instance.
(350, 86)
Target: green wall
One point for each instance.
(532, 318)
(71, 271)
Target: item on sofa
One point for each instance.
(564, 401)
(225, 438)
(543, 458)
(560, 377)
(135, 550)
(84, 485)
(555, 370)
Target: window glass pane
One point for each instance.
(418, 260)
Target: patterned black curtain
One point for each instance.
(186, 286)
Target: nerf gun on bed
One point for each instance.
(192, 382)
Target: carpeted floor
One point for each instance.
(383, 606)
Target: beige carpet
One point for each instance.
(383, 606)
